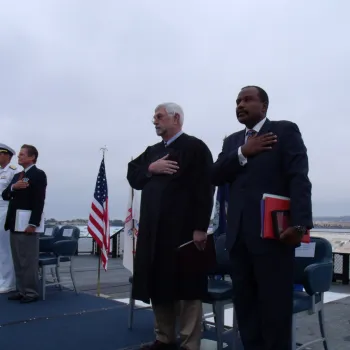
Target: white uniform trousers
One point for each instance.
(7, 272)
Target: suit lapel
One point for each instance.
(265, 128)
(240, 139)
(30, 170)
(15, 178)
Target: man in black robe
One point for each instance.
(176, 205)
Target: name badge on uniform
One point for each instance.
(3, 177)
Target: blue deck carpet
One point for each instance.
(73, 322)
(57, 303)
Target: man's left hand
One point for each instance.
(200, 239)
(291, 236)
(30, 229)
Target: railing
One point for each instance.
(115, 245)
(341, 261)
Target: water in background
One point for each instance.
(331, 230)
(339, 238)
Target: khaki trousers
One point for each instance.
(189, 314)
(25, 254)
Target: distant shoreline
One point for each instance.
(117, 222)
(80, 222)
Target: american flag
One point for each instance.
(98, 225)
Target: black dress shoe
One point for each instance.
(158, 345)
(15, 296)
(26, 300)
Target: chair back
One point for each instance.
(69, 232)
(67, 247)
(223, 262)
(51, 231)
(323, 254)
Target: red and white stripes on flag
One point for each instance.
(131, 228)
(98, 224)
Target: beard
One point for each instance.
(160, 131)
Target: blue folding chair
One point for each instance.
(220, 294)
(315, 274)
(62, 251)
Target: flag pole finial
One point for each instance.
(104, 149)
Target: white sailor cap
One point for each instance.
(6, 149)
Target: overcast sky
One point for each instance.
(78, 75)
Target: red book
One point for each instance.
(275, 217)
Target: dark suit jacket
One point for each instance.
(281, 171)
(31, 198)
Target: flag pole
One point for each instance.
(98, 274)
(133, 228)
(103, 149)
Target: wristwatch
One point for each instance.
(301, 229)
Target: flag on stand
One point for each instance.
(220, 214)
(219, 221)
(98, 224)
(131, 229)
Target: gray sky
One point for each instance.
(76, 75)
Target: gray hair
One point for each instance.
(172, 109)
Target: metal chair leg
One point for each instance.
(72, 276)
(294, 341)
(322, 328)
(131, 312)
(204, 325)
(43, 282)
(53, 275)
(235, 330)
(58, 276)
(218, 309)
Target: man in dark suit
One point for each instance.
(266, 157)
(27, 192)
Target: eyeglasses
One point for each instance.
(157, 117)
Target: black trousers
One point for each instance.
(263, 295)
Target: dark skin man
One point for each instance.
(265, 157)
(250, 111)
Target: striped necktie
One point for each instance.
(250, 133)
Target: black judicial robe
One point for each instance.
(172, 207)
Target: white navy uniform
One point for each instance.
(7, 273)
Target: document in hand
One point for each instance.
(22, 220)
(191, 258)
(275, 217)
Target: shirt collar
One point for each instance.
(167, 143)
(31, 166)
(257, 127)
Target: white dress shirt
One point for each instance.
(242, 159)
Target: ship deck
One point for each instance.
(114, 286)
